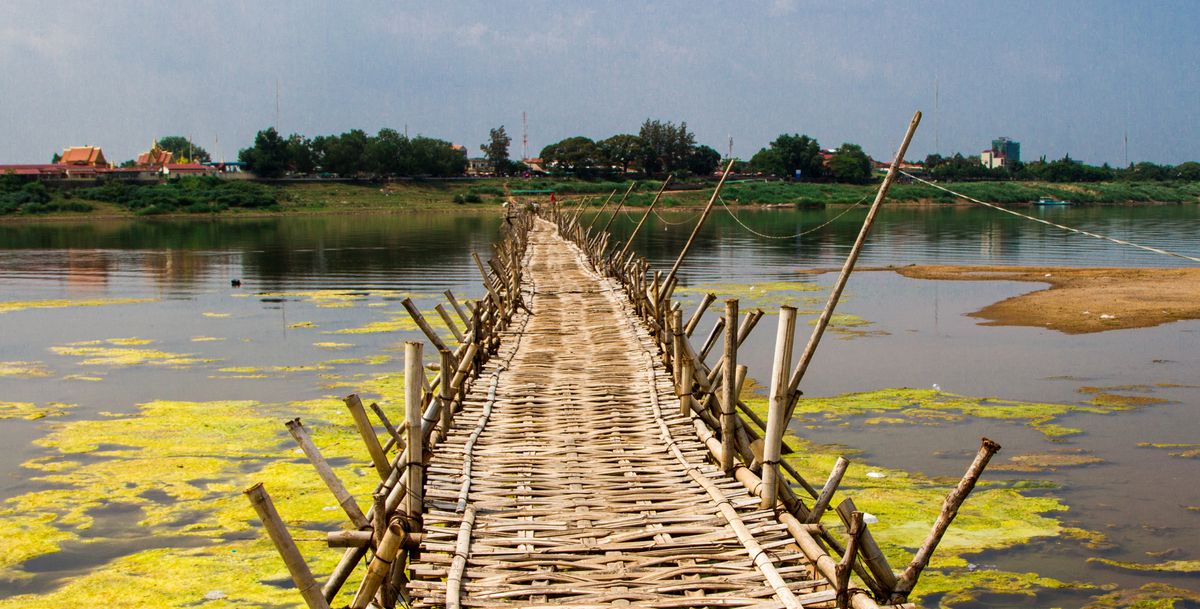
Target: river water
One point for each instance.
(282, 315)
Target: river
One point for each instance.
(164, 311)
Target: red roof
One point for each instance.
(83, 155)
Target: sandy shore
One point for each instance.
(1081, 300)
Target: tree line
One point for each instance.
(659, 148)
(1066, 169)
(352, 154)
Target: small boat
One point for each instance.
(1049, 201)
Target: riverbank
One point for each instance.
(454, 195)
(1081, 300)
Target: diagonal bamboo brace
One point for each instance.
(949, 510)
(301, 574)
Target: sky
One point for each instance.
(1060, 77)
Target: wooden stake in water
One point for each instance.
(301, 575)
(413, 375)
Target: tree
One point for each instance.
(496, 150)
(703, 160)
(850, 164)
(622, 151)
(577, 155)
(300, 155)
(268, 157)
(1189, 171)
(436, 158)
(789, 154)
(667, 145)
(183, 149)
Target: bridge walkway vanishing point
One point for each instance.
(584, 485)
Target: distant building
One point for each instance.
(188, 169)
(84, 156)
(155, 157)
(480, 167)
(1003, 153)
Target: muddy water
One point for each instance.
(918, 336)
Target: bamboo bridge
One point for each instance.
(576, 450)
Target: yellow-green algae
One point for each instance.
(331, 298)
(1149, 596)
(1189, 451)
(1171, 566)
(32, 412)
(95, 354)
(303, 324)
(206, 339)
(1046, 461)
(10, 305)
(200, 455)
(24, 369)
(333, 345)
(926, 405)
(400, 322)
(216, 315)
(998, 515)
(767, 295)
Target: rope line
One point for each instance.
(1049, 223)
(666, 221)
(797, 235)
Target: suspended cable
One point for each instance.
(799, 234)
(1048, 223)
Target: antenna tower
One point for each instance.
(524, 137)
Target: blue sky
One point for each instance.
(1060, 77)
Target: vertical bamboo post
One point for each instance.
(687, 371)
(950, 506)
(301, 574)
(677, 354)
(368, 435)
(729, 389)
(836, 293)
(846, 566)
(344, 498)
(413, 374)
(445, 393)
(696, 230)
(777, 405)
(629, 241)
(877, 563)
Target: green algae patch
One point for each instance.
(332, 345)
(1047, 461)
(93, 353)
(1149, 596)
(332, 299)
(32, 412)
(933, 406)
(183, 465)
(216, 315)
(302, 324)
(1169, 566)
(400, 322)
(207, 339)
(24, 369)
(10, 305)
(767, 295)
(1186, 451)
(129, 342)
(83, 377)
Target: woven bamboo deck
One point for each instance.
(569, 478)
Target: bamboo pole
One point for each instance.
(445, 392)
(343, 496)
(416, 315)
(462, 549)
(677, 355)
(301, 575)
(777, 405)
(710, 341)
(684, 387)
(450, 323)
(729, 394)
(395, 440)
(348, 539)
(836, 293)
(950, 506)
(458, 309)
(620, 204)
(698, 313)
(844, 566)
(378, 458)
(629, 241)
(380, 566)
(687, 246)
(822, 502)
(413, 373)
(602, 208)
(877, 564)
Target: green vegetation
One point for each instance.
(18, 196)
(659, 148)
(192, 195)
(352, 154)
